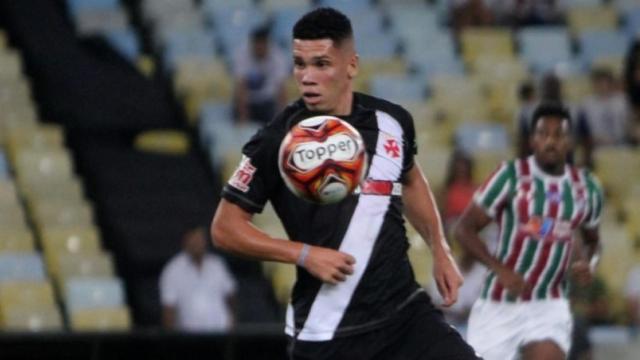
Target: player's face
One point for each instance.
(551, 141)
(323, 73)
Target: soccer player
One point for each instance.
(355, 296)
(539, 202)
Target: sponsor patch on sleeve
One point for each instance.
(243, 175)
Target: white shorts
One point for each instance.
(498, 330)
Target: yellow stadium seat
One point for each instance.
(72, 241)
(112, 319)
(434, 162)
(26, 294)
(478, 42)
(8, 192)
(367, 68)
(486, 161)
(3, 39)
(576, 88)
(42, 318)
(449, 91)
(613, 63)
(197, 81)
(10, 64)
(12, 218)
(94, 264)
(43, 137)
(163, 141)
(16, 240)
(35, 166)
(68, 191)
(291, 89)
(584, 18)
(616, 167)
(421, 261)
(618, 256)
(60, 213)
(283, 276)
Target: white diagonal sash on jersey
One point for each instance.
(330, 304)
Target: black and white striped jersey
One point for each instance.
(370, 227)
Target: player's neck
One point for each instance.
(556, 169)
(345, 105)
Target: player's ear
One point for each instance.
(354, 66)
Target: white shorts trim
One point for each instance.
(498, 330)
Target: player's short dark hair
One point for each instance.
(261, 33)
(549, 109)
(323, 23)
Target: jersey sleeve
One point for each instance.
(495, 190)
(594, 202)
(257, 173)
(410, 148)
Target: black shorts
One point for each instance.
(417, 332)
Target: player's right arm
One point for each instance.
(233, 231)
(479, 213)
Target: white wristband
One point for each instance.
(303, 255)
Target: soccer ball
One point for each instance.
(322, 159)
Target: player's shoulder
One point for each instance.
(590, 178)
(378, 104)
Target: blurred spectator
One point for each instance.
(260, 71)
(196, 289)
(474, 274)
(632, 86)
(550, 89)
(590, 305)
(606, 111)
(632, 297)
(459, 187)
(528, 100)
(531, 12)
(466, 13)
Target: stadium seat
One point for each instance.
(479, 41)
(89, 22)
(33, 166)
(632, 20)
(279, 5)
(45, 318)
(386, 46)
(21, 266)
(543, 48)
(602, 43)
(16, 240)
(108, 319)
(400, 89)
(481, 137)
(581, 19)
(283, 21)
(4, 166)
(434, 161)
(70, 240)
(26, 294)
(576, 87)
(283, 276)
(421, 260)
(76, 6)
(370, 67)
(126, 42)
(42, 137)
(10, 64)
(610, 163)
(60, 213)
(187, 44)
(163, 141)
(233, 25)
(487, 161)
(408, 20)
(93, 293)
(93, 264)
(448, 92)
(8, 192)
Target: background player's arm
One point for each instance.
(421, 211)
(467, 232)
(585, 266)
(233, 231)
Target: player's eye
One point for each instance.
(298, 63)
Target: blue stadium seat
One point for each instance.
(544, 48)
(91, 293)
(283, 21)
(195, 43)
(349, 7)
(472, 137)
(632, 21)
(399, 89)
(76, 6)
(21, 266)
(212, 115)
(412, 20)
(4, 166)
(126, 43)
(234, 24)
(595, 44)
(386, 46)
(578, 3)
(433, 54)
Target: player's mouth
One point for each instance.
(311, 97)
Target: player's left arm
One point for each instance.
(421, 211)
(585, 266)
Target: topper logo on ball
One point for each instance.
(339, 147)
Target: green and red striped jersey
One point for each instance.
(537, 214)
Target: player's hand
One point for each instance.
(581, 272)
(329, 265)
(512, 281)
(447, 277)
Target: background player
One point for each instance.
(539, 202)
